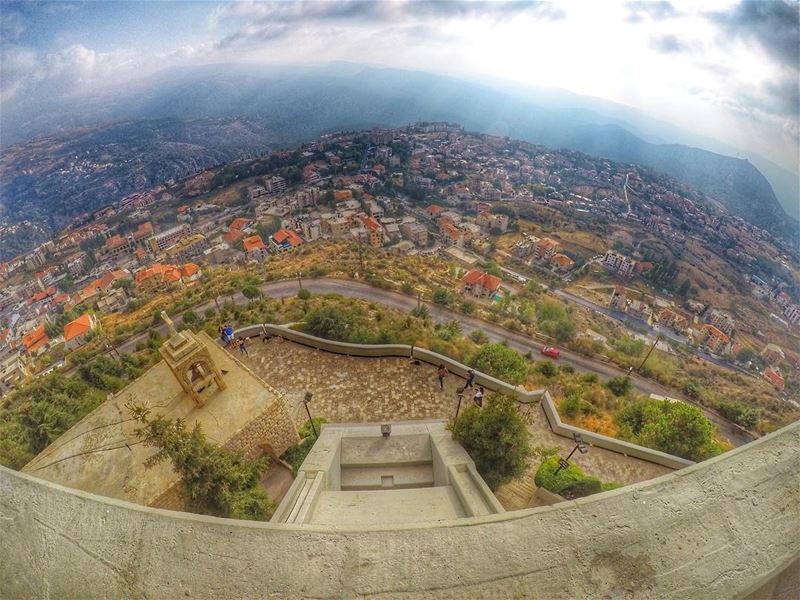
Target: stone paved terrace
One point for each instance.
(352, 389)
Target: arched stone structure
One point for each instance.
(725, 528)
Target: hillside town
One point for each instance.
(426, 189)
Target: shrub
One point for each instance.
(629, 345)
(496, 438)
(570, 482)
(500, 361)
(568, 369)
(479, 337)
(672, 427)
(546, 368)
(619, 385)
(441, 296)
(303, 294)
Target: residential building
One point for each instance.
(722, 321)
(673, 320)
(773, 354)
(275, 185)
(619, 262)
(254, 247)
(165, 239)
(479, 284)
(160, 276)
(77, 332)
(187, 249)
(285, 239)
(415, 232)
(36, 341)
(619, 299)
(374, 231)
(792, 313)
(546, 249)
(114, 301)
(562, 262)
(714, 339)
(775, 378)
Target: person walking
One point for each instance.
(470, 379)
(478, 398)
(243, 346)
(441, 374)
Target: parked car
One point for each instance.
(551, 351)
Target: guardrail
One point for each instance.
(491, 383)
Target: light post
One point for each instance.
(306, 400)
(460, 396)
(299, 280)
(580, 445)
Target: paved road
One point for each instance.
(496, 333)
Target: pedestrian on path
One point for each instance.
(478, 399)
(442, 373)
(243, 346)
(470, 379)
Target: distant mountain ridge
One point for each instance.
(281, 106)
(735, 183)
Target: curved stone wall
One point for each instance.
(725, 528)
(491, 383)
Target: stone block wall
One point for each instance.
(272, 432)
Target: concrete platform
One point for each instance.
(387, 507)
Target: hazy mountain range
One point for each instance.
(184, 119)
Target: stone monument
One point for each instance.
(191, 363)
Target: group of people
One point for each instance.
(442, 372)
(228, 339)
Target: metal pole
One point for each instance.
(458, 408)
(299, 280)
(658, 337)
(310, 420)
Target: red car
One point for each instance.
(551, 351)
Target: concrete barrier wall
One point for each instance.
(609, 443)
(723, 528)
(487, 381)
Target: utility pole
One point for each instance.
(649, 352)
(299, 280)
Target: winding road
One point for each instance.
(440, 314)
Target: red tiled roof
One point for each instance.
(283, 235)
(720, 335)
(485, 280)
(370, 223)
(43, 295)
(189, 269)
(78, 327)
(239, 223)
(254, 242)
(233, 236)
(34, 339)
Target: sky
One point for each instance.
(724, 69)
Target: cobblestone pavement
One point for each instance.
(352, 389)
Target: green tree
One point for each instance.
(619, 385)
(496, 438)
(500, 361)
(217, 481)
(331, 323)
(303, 294)
(191, 319)
(673, 427)
(441, 296)
(251, 292)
